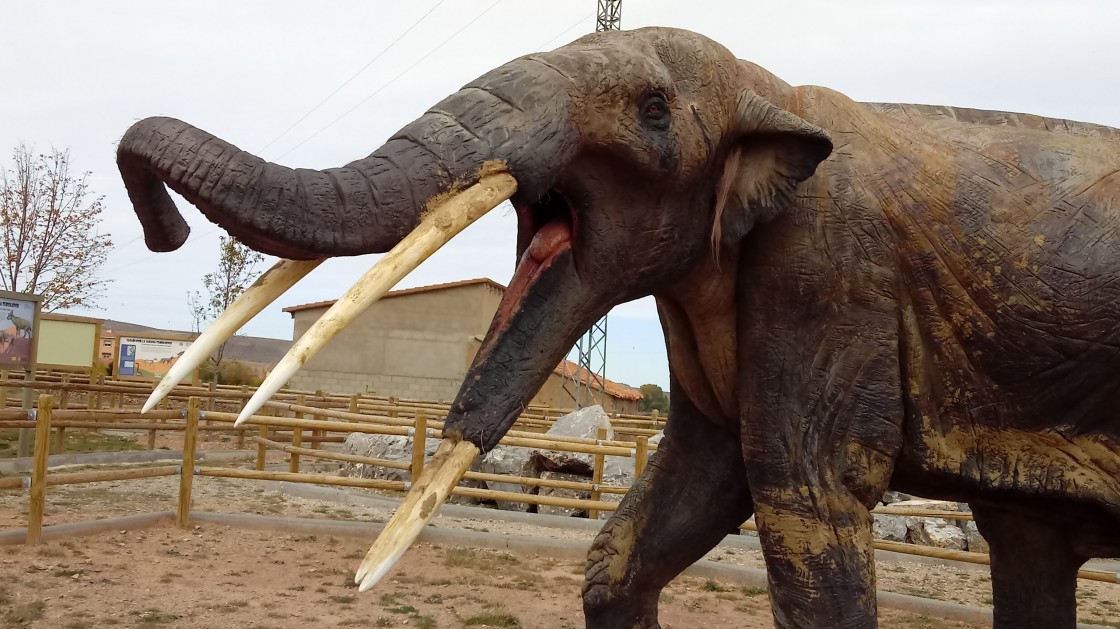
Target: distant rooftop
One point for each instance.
(254, 349)
(405, 291)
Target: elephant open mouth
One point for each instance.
(544, 231)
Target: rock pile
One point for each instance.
(512, 461)
(619, 471)
(937, 532)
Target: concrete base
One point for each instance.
(25, 464)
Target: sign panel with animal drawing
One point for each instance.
(148, 357)
(19, 325)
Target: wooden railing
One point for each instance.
(331, 425)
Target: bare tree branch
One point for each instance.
(48, 231)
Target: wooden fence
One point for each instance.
(331, 425)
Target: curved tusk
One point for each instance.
(437, 226)
(268, 287)
(419, 507)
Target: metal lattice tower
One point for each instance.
(610, 16)
(589, 379)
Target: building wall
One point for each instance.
(416, 345)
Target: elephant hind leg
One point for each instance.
(1034, 569)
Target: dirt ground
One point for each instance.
(215, 576)
(166, 577)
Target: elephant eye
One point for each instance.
(655, 111)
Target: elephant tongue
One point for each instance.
(550, 240)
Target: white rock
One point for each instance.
(976, 542)
(562, 493)
(936, 532)
(891, 528)
(389, 447)
(508, 461)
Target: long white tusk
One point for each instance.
(419, 507)
(268, 287)
(439, 225)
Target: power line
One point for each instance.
(392, 80)
(565, 31)
(352, 77)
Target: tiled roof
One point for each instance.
(406, 291)
(614, 389)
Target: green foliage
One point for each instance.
(234, 275)
(231, 372)
(653, 398)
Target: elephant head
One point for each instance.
(637, 155)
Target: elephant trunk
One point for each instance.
(512, 115)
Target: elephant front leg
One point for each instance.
(819, 557)
(820, 443)
(692, 494)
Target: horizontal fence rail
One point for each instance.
(314, 424)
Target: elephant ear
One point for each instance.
(774, 150)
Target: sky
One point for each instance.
(259, 73)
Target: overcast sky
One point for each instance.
(77, 74)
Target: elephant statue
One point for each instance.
(854, 297)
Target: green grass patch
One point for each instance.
(478, 560)
(76, 442)
(25, 614)
(712, 586)
(493, 620)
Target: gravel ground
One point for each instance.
(1098, 602)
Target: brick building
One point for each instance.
(418, 343)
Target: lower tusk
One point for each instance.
(436, 228)
(268, 287)
(430, 491)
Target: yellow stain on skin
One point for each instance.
(622, 539)
(1039, 240)
(1087, 464)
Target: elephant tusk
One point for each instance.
(268, 287)
(419, 507)
(437, 226)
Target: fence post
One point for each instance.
(23, 445)
(262, 450)
(597, 474)
(210, 399)
(186, 473)
(641, 455)
(353, 403)
(3, 388)
(64, 392)
(419, 444)
(60, 440)
(241, 432)
(317, 433)
(297, 437)
(38, 499)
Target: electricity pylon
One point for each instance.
(590, 380)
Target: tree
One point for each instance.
(653, 399)
(49, 241)
(235, 273)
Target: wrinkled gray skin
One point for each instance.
(854, 297)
